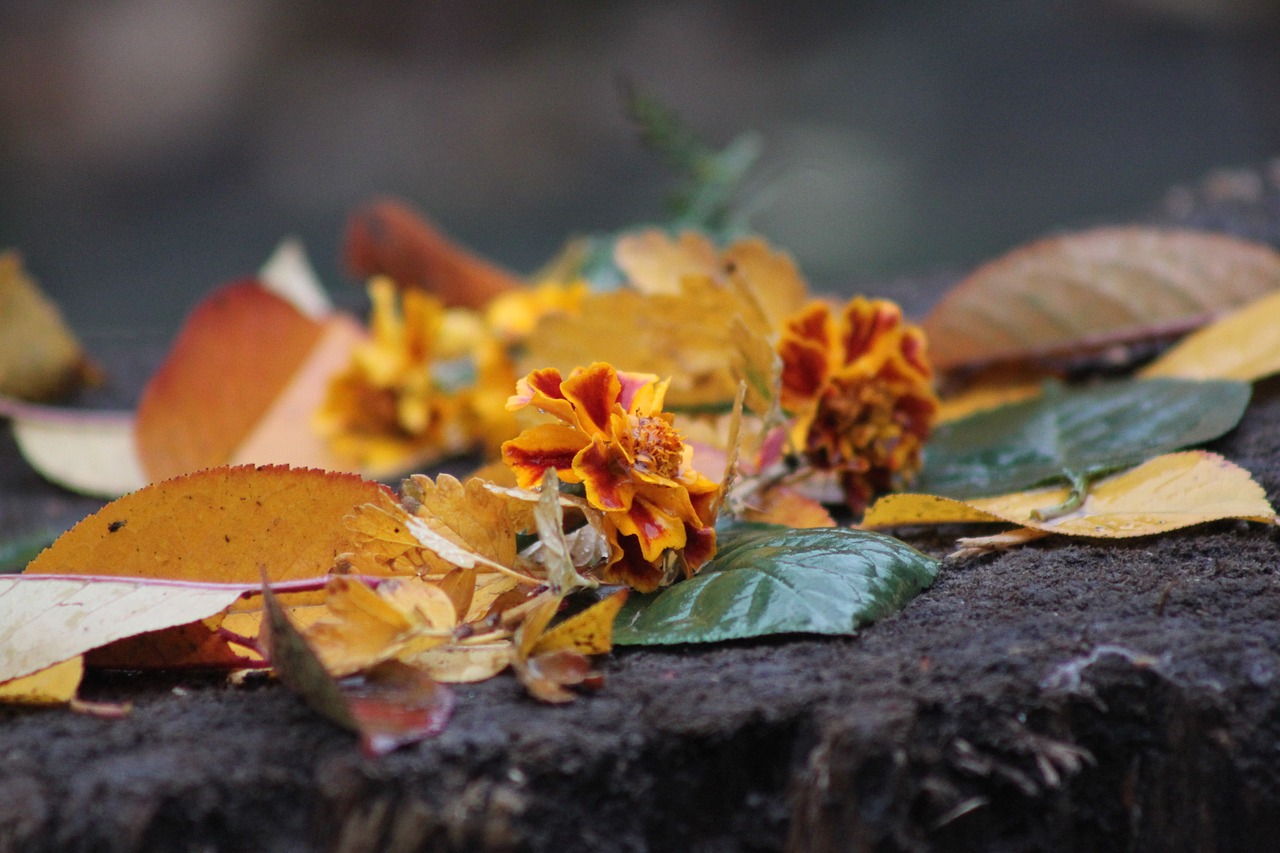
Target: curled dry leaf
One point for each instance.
(39, 356)
(387, 237)
(1086, 292)
(1165, 493)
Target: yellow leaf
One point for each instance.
(52, 686)
(1166, 493)
(437, 527)
(366, 627)
(667, 334)
(44, 621)
(589, 632)
(1244, 345)
(656, 263)
(39, 357)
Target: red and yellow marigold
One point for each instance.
(859, 384)
(614, 438)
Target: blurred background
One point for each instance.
(152, 149)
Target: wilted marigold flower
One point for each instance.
(409, 389)
(614, 439)
(859, 384)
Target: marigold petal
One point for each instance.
(700, 546)
(806, 367)
(593, 391)
(656, 528)
(642, 393)
(541, 447)
(631, 568)
(605, 475)
(541, 389)
(863, 322)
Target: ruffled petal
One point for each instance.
(864, 323)
(541, 389)
(642, 393)
(655, 526)
(631, 568)
(594, 392)
(606, 476)
(700, 546)
(541, 447)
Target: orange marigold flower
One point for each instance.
(859, 384)
(614, 439)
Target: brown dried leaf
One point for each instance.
(1085, 292)
(386, 237)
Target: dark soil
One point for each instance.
(1068, 695)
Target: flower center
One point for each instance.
(658, 448)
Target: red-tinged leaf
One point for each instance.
(392, 706)
(396, 705)
(195, 645)
(236, 352)
(547, 675)
(1083, 293)
(386, 237)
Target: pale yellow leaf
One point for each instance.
(666, 334)
(655, 263)
(90, 452)
(465, 663)
(1166, 493)
(44, 621)
(1244, 345)
(51, 686)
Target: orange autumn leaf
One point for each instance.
(217, 525)
(387, 237)
(237, 350)
(1084, 292)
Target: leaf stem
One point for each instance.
(1079, 489)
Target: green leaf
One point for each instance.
(768, 579)
(1076, 434)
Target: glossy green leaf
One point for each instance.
(1068, 434)
(768, 579)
